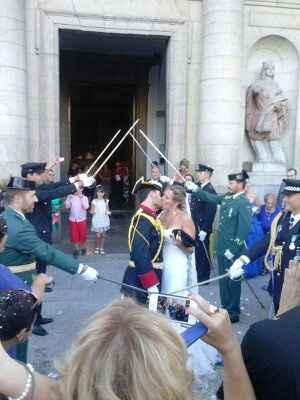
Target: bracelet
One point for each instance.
(28, 385)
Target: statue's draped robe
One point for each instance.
(266, 110)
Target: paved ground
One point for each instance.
(73, 301)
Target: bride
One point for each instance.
(179, 271)
(179, 264)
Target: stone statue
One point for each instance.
(266, 116)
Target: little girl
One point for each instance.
(100, 220)
(78, 204)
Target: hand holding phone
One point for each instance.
(193, 333)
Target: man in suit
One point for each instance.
(203, 214)
(233, 229)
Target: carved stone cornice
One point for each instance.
(292, 4)
(122, 18)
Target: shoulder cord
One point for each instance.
(271, 247)
(133, 230)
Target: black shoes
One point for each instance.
(81, 252)
(234, 319)
(45, 321)
(75, 253)
(39, 330)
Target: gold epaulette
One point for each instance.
(133, 230)
(274, 250)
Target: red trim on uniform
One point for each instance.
(149, 279)
(148, 210)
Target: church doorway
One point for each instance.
(106, 82)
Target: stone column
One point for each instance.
(221, 112)
(49, 90)
(13, 110)
(32, 41)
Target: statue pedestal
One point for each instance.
(266, 178)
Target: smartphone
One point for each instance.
(173, 307)
(193, 333)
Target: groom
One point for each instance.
(145, 239)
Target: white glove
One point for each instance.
(73, 179)
(236, 270)
(153, 290)
(87, 273)
(81, 177)
(202, 235)
(191, 186)
(164, 179)
(228, 254)
(86, 180)
(78, 185)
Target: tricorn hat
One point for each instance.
(239, 177)
(146, 184)
(18, 183)
(32, 167)
(203, 167)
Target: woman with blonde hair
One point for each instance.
(129, 353)
(179, 269)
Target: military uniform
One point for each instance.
(287, 242)
(22, 248)
(145, 239)
(233, 229)
(41, 217)
(203, 214)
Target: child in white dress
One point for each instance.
(100, 219)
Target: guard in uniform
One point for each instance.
(41, 217)
(45, 192)
(282, 244)
(203, 214)
(233, 229)
(145, 240)
(23, 245)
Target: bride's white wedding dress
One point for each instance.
(179, 272)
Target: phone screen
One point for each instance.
(173, 307)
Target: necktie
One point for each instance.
(291, 222)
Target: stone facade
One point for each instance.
(215, 49)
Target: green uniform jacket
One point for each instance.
(23, 246)
(235, 221)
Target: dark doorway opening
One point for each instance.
(104, 86)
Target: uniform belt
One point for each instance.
(158, 265)
(18, 269)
